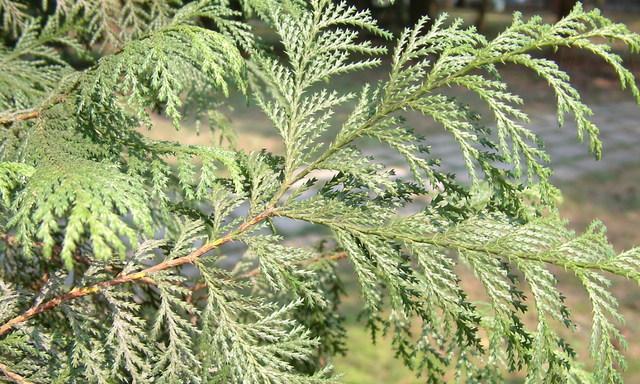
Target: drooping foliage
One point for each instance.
(118, 262)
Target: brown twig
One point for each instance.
(22, 115)
(9, 239)
(57, 97)
(137, 276)
(9, 374)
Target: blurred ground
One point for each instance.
(607, 189)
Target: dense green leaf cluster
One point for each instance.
(117, 257)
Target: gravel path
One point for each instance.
(620, 133)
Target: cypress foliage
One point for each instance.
(113, 262)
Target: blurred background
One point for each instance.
(607, 189)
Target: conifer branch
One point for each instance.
(83, 179)
(144, 274)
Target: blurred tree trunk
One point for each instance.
(369, 5)
(420, 8)
(482, 14)
(388, 16)
(363, 4)
(563, 7)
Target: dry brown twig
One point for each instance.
(14, 377)
(17, 116)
